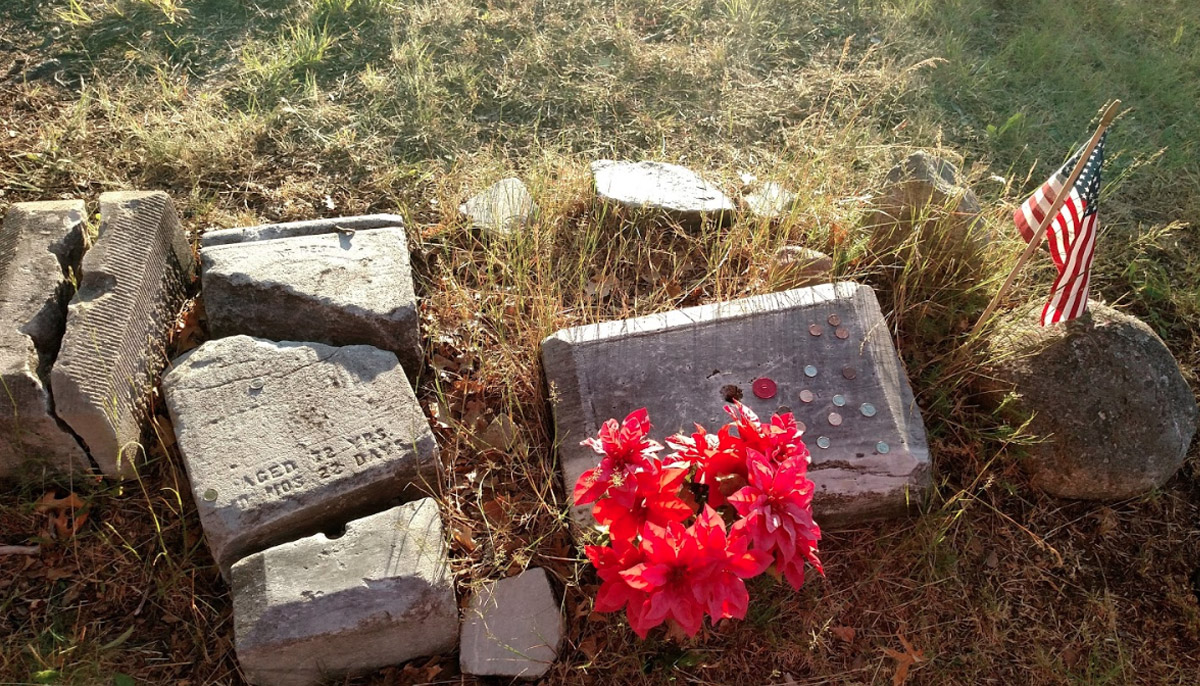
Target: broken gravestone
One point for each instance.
(134, 282)
(282, 439)
(41, 244)
(670, 189)
(925, 192)
(501, 208)
(342, 286)
(1104, 392)
(377, 595)
(512, 628)
(794, 266)
(823, 352)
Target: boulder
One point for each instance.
(925, 192)
(41, 244)
(1104, 392)
(501, 209)
(377, 595)
(512, 628)
(669, 189)
(135, 280)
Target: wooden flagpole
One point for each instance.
(1036, 241)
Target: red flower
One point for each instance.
(688, 571)
(776, 510)
(651, 495)
(780, 440)
(719, 458)
(625, 449)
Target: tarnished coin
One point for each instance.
(842, 333)
(835, 419)
(849, 373)
(815, 329)
(834, 320)
(806, 396)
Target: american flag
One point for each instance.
(1072, 234)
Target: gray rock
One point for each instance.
(512, 628)
(264, 232)
(135, 280)
(771, 201)
(680, 365)
(378, 595)
(794, 266)
(670, 189)
(346, 288)
(41, 244)
(1107, 395)
(926, 191)
(501, 208)
(283, 439)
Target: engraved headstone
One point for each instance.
(134, 282)
(512, 628)
(41, 244)
(345, 286)
(379, 594)
(673, 190)
(283, 439)
(827, 353)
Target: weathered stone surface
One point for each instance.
(501, 208)
(770, 201)
(680, 364)
(926, 191)
(134, 282)
(1107, 395)
(41, 244)
(265, 232)
(512, 628)
(671, 189)
(378, 595)
(344, 288)
(283, 439)
(794, 266)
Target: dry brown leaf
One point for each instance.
(465, 537)
(844, 633)
(905, 660)
(48, 503)
(600, 287)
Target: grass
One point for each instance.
(273, 110)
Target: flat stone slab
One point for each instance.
(826, 348)
(512, 628)
(770, 201)
(349, 287)
(265, 232)
(283, 439)
(669, 188)
(134, 282)
(502, 208)
(41, 244)
(378, 595)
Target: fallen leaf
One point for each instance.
(599, 288)
(500, 434)
(905, 660)
(49, 503)
(464, 537)
(844, 633)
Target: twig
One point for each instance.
(20, 549)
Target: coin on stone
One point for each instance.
(815, 329)
(835, 419)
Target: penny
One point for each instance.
(806, 396)
(849, 372)
(801, 426)
(842, 333)
(835, 419)
(815, 329)
(834, 320)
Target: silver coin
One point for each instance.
(210, 495)
(810, 371)
(823, 442)
(867, 410)
(882, 448)
(839, 400)
(257, 384)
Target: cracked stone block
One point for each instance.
(321, 607)
(264, 232)
(135, 280)
(512, 628)
(41, 244)
(346, 286)
(283, 439)
(675, 191)
(824, 352)
(500, 209)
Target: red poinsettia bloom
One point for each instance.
(776, 510)
(651, 495)
(610, 561)
(690, 570)
(625, 450)
(780, 440)
(719, 459)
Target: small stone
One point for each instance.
(134, 282)
(378, 595)
(671, 189)
(339, 288)
(501, 208)
(923, 191)
(1127, 434)
(266, 232)
(772, 201)
(331, 432)
(512, 628)
(41, 244)
(794, 266)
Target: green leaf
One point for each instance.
(46, 676)
(123, 680)
(118, 640)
